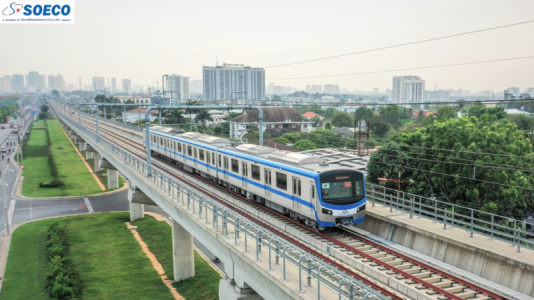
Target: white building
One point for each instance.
(51, 82)
(127, 86)
(437, 96)
(514, 90)
(408, 89)
(233, 82)
(99, 83)
(195, 87)
(113, 85)
(18, 82)
(6, 84)
(177, 87)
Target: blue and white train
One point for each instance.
(305, 187)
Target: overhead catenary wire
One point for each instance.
(400, 45)
(457, 102)
(409, 69)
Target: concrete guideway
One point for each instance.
(241, 268)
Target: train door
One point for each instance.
(195, 156)
(208, 161)
(297, 193)
(244, 174)
(267, 182)
(313, 198)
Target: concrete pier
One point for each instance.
(82, 145)
(137, 211)
(113, 179)
(88, 155)
(98, 159)
(228, 290)
(183, 254)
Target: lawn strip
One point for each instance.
(158, 236)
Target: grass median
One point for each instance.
(71, 168)
(158, 237)
(110, 261)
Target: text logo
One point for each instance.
(38, 11)
(344, 212)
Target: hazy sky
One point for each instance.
(143, 40)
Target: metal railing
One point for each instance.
(313, 273)
(472, 220)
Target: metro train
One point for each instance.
(305, 187)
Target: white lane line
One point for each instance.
(10, 211)
(88, 204)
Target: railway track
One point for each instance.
(347, 249)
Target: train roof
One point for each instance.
(319, 160)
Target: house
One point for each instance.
(310, 115)
(279, 119)
(345, 132)
(426, 113)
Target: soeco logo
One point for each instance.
(37, 10)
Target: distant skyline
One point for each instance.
(133, 43)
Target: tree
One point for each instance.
(390, 113)
(328, 126)
(478, 109)
(203, 116)
(522, 121)
(462, 177)
(231, 116)
(329, 112)
(304, 145)
(445, 113)
(363, 113)
(342, 119)
(379, 126)
(55, 93)
(292, 137)
(45, 108)
(317, 121)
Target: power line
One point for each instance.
(401, 45)
(455, 176)
(408, 69)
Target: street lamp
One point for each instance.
(398, 181)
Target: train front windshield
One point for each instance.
(342, 188)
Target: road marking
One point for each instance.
(88, 204)
(10, 211)
(39, 207)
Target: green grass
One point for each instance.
(158, 236)
(102, 174)
(107, 256)
(71, 168)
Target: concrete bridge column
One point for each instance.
(229, 290)
(98, 161)
(88, 155)
(183, 254)
(82, 145)
(137, 211)
(113, 179)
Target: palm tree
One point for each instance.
(203, 116)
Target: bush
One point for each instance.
(56, 183)
(63, 281)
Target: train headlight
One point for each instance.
(327, 211)
(360, 208)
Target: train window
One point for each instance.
(201, 154)
(281, 181)
(267, 177)
(220, 161)
(208, 157)
(235, 166)
(161, 141)
(245, 169)
(179, 147)
(189, 150)
(225, 163)
(195, 152)
(213, 159)
(255, 172)
(313, 191)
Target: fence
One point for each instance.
(312, 273)
(474, 221)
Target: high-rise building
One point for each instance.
(113, 85)
(73, 87)
(437, 96)
(99, 83)
(60, 83)
(127, 86)
(514, 90)
(408, 89)
(195, 87)
(6, 84)
(42, 83)
(177, 87)
(232, 82)
(337, 90)
(18, 82)
(51, 82)
(329, 89)
(33, 80)
(270, 90)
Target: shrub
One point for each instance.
(56, 183)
